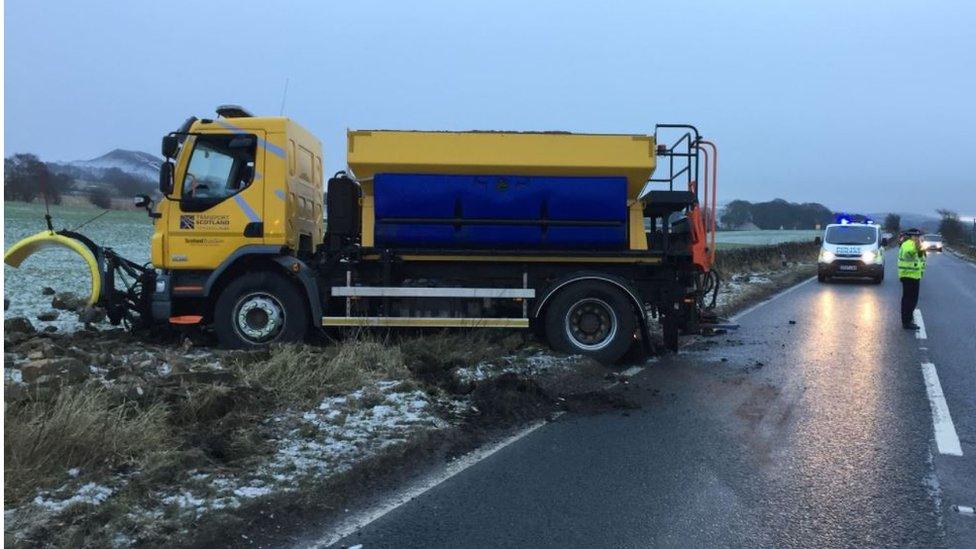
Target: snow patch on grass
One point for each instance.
(533, 365)
(90, 493)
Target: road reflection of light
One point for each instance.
(840, 365)
(868, 307)
(826, 312)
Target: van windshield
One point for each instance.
(932, 238)
(851, 235)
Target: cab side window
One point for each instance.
(220, 166)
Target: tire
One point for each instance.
(247, 306)
(592, 319)
(822, 278)
(878, 279)
(538, 327)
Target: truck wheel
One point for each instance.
(592, 319)
(258, 309)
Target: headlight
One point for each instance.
(826, 256)
(871, 256)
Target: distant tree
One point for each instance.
(21, 173)
(951, 228)
(26, 177)
(100, 197)
(126, 184)
(737, 213)
(892, 223)
(810, 215)
(57, 185)
(775, 214)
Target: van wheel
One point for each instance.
(259, 309)
(591, 319)
(821, 277)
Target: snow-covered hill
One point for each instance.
(140, 164)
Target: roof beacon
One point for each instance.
(233, 111)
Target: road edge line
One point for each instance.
(351, 525)
(775, 296)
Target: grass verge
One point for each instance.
(80, 429)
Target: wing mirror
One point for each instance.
(143, 201)
(818, 240)
(166, 178)
(884, 241)
(170, 145)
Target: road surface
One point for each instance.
(828, 432)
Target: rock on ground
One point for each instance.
(18, 324)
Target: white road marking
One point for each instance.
(748, 310)
(632, 371)
(350, 525)
(946, 438)
(962, 258)
(920, 332)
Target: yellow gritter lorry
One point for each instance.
(567, 234)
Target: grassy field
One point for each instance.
(127, 232)
(726, 240)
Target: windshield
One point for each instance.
(932, 238)
(851, 235)
(221, 166)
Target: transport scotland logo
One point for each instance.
(186, 222)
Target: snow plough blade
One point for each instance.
(27, 247)
(119, 286)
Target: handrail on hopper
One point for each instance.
(686, 147)
(711, 200)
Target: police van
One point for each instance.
(851, 250)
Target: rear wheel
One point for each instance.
(592, 319)
(258, 309)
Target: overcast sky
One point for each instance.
(864, 106)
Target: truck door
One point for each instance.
(220, 200)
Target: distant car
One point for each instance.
(853, 250)
(932, 242)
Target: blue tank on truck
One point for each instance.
(500, 212)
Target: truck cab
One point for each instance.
(242, 197)
(851, 250)
(237, 181)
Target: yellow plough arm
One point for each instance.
(50, 239)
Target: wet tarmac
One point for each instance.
(809, 427)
